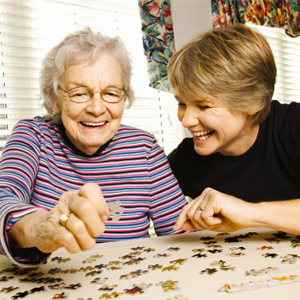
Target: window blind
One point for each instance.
(30, 28)
(286, 51)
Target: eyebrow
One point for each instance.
(196, 101)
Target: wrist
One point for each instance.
(23, 233)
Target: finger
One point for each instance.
(182, 217)
(93, 192)
(80, 234)
(188, 226)
(67, 240)
(85, 211)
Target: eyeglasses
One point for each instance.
(82, 94)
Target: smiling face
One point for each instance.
(91, 124)
(215, 127)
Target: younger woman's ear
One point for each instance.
(252, 113)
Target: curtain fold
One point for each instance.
(272, 13)
(158, 40)
(157, 29)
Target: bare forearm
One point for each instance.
(279, 215)
(22, 233)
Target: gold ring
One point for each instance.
(64, 218)
(200, 208)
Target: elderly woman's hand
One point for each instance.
(89, 212)
(213, 210)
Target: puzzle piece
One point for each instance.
(169, 268)
(206, 238)
(178, 261)
(209, 271)
(5, 278)
(20, 295)
(109, 296)
(99, 280)
(258, 284)
(210, 242)
(273, 255)
(268, 270)
(214, 251)
(37, 289)
(133, 274)
(149, 249)
(198, 255)
(54, 271)
(218, 262)
(115, 207)
(73, 286)
(154, 267)
(169, 285)
(61, 296)
(174, 249)
(161, 255)
(265, 248)
(236, 254)
(8, 289)
(106, 287)
(281, 235)
(214, 246)
(199, 250)
(290, 258)
(138, 248)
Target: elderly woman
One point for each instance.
(58, 172)
(242, 165)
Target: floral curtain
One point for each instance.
(158, 40)
(273, 13)
(157, 29)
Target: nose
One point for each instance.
(96, 105)
(188, 117)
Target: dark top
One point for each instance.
(269, 170)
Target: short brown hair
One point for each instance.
(234, 64)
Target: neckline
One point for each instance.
(75, 149)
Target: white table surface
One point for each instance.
(192, 284)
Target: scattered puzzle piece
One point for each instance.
(268, 270)
(265, 248)
(209, 271)
(272, 255)
(174, 249)
(170, 268)
(169, 285)
(109, 296)
(8, 289)
(178, 261)
(99, 280)
(198, 255)
(161, 255)
(154, 267)
(258, 284)
(61, 296)
(106, 287)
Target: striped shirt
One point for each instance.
(38, 165)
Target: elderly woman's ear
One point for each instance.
(55, 106)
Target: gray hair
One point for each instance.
(76, 48)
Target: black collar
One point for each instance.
(76, 150)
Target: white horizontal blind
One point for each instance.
(286, 51)
(30, 28)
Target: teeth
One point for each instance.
(93, 124)
(202, 135)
